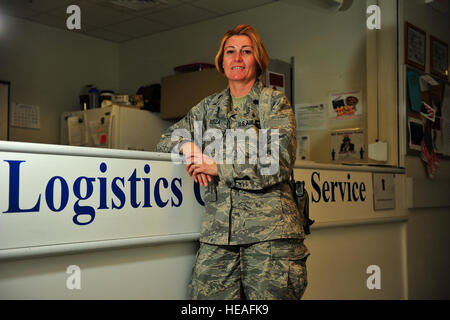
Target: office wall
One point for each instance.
(329, 50)
(428, 236)
(48, 67)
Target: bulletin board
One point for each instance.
(427, 113)
(4, 110)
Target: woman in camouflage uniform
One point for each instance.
(251, 242)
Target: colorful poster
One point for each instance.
(345, 105)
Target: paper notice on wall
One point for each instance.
(303, 147)
(310, 116)
(425, 81)
(77, 132)
(25, 116)
(99, 133)
(276, 81)
(345, 105)
(347, 144)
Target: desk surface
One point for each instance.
(41, 148)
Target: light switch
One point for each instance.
(383, 191)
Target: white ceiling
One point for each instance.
(105, 20)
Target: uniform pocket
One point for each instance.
(289, 249)
(289, 261)
(297, 279)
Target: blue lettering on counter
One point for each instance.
(330, 191)
(84, 188)
(118, 192)
(49, 194)
(103, 204)
(83, 210)
(176, 192)
(197, 193)
(158, 200)
(14, 173)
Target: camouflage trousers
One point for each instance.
(266, 270)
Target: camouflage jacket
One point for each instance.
(242, 205)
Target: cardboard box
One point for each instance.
(181, 92)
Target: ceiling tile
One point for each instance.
(38, 5)
(102, 19)
(16, 10)
(96, 15)
(158, 7)
(58, 22)
(229, 6)
(181, 15)
(137, 27)
(108, 35)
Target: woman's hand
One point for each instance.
(200, 166)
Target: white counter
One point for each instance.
(161, 230)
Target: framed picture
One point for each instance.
(4, 110)
(415, 46)
(438, 57)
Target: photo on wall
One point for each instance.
(416, 130)
(347, 145)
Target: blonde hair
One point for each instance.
(259, 51)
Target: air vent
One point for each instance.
(139, 4)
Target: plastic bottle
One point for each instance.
(94, 98)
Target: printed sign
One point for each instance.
(347, 145)
(345, 105)
(55, 199)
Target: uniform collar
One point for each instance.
(224, 97)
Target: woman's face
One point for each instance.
(239, 63)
